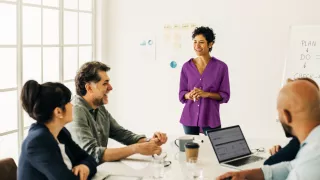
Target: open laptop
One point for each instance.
(231, 148)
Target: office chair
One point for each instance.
(8, 169)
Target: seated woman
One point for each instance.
(48, 152)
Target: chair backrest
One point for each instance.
(8, 169)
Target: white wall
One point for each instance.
(252, 38)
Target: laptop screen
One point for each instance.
(229, 143)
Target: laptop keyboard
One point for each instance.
(244, 161)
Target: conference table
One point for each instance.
(207, 165)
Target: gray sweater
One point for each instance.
(91, 129)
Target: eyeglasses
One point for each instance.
(162, 156)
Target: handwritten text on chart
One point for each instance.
(308, 75)
(305, 56)
(308, 43)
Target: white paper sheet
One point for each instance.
(119, 177)
(137, 161)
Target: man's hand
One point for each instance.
(82, 171)
(232, 176)
(159, 138)
(274, 149)
(148, 148)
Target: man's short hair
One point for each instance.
(89, 72)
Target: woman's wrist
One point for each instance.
(206, 94)
(186, 96)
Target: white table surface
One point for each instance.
(177, 170)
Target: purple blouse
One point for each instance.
(205, 111)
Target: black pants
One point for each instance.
(195, 130)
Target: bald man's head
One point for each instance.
(298, 100)
(304, 79)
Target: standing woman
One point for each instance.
(204, 85)
(48, 152)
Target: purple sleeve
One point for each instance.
(224, 89)
(183, 86)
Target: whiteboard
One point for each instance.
(303, 58)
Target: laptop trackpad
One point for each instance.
(244, 161)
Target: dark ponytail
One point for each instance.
(39, 101)
(29, 94)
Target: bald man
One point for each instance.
(289, 152)
(298, 107)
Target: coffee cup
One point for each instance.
(192, 151)
(182, 141)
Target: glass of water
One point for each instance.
(158, 167)
(194, 171)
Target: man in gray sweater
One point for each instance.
(93, 125)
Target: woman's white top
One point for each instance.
(65, 156)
